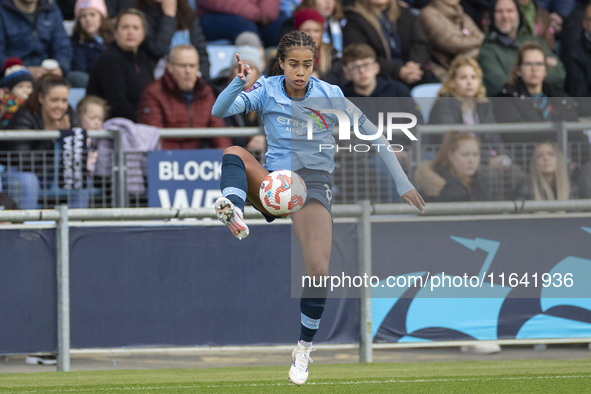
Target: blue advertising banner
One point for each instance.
(184, 178)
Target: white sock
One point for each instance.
(305, 344)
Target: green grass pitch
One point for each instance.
(515, 376)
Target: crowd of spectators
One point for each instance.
(496, 60)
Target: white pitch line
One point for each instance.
(254, 385)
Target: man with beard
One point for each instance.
(499, 50)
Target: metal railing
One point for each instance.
(365, 213)
(358, 176)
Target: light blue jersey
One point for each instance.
(296, 128)
(286, 123)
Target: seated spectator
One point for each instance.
(453, 174)
(92, 33)
(181, 99)
(46, 109)
(529, 98)
(171, 23)
(572, 29)
(225, 20)
(499, 50)
(92, 111)
(309, 21)
(548, 176)
(17, 86)
(539, 23)
(334, 20)
(578, 67)
(559, 10)
(362, 72)
(34, 31)
(478, 11)
(462, 99)
(124, 69)
(451, 32)
(396, 35)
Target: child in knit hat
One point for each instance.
(17, 85)
(91, 34)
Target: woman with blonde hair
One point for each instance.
(548, 176)
(453, 174)
(462, 98)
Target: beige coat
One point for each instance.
(451, 32)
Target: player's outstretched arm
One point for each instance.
(226, 103)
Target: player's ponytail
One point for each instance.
(291, 40)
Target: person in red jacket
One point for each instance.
(180, 99)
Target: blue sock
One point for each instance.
(233, 183)
(311, 305)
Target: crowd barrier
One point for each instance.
(358, 175)
(132, 294)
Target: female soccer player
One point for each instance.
(280, 99)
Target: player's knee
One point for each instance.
(235, 150)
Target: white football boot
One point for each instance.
(232, 217)
(298, 373)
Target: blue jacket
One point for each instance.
(85, 53)
(33, 44)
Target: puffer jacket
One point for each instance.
(163, 105)
(33, 44)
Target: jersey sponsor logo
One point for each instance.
(253, 87)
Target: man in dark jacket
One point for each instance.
(180, 99)
(33, 31)
(499, 49)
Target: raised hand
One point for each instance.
(243, 69)
(414, 198)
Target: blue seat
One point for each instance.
(220, 58)
(425, 95)
(75, 96)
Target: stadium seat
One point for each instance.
(424, 96)
(75, 96)
(220, 58)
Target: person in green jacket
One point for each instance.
(499, 49)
